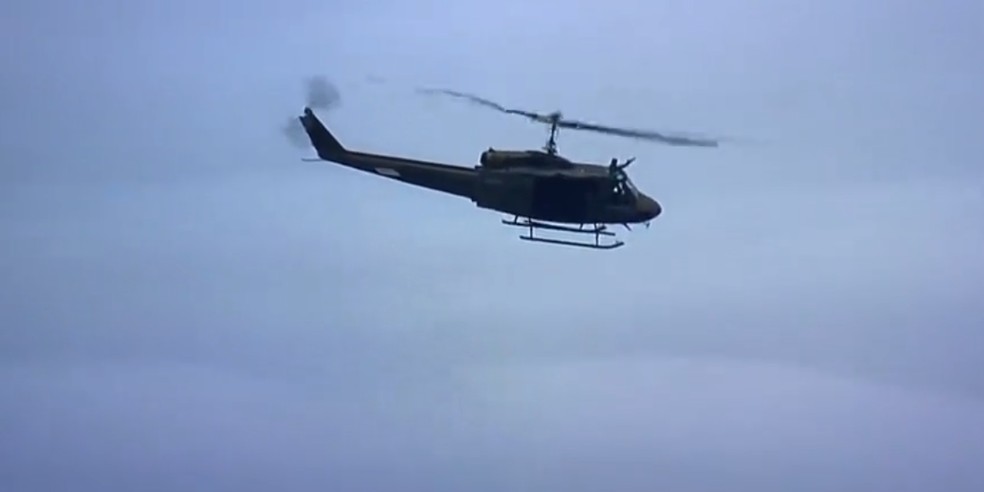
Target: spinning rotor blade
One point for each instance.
(319, 94)
(294, 132)
(491, 104)
(557, 119)
(640, 134)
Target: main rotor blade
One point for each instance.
(481, 101)
(556, 117)
(640, 134)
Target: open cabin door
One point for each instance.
(564, 198)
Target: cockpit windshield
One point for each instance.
(624, 191)
(629, 186)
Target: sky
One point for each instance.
(186, 305)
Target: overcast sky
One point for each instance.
(185, 305)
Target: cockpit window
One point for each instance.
(630, 187)
(623, 191)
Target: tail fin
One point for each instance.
(323, 141)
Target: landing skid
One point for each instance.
(597, 231)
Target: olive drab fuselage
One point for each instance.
(549, 187)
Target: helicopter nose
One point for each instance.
(650, 208)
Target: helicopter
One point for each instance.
(541, 189)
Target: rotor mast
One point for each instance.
(551, 145)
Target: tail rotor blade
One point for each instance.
(295, 134)
(319, 93)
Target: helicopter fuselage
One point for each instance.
(549, 187)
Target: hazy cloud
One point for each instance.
(187, 305)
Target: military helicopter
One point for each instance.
(540, 189)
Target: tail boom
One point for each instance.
(446, 178)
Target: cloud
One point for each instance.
(634, 424)
(184, 304)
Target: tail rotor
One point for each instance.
(319, 94)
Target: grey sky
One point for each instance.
(186, 305)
